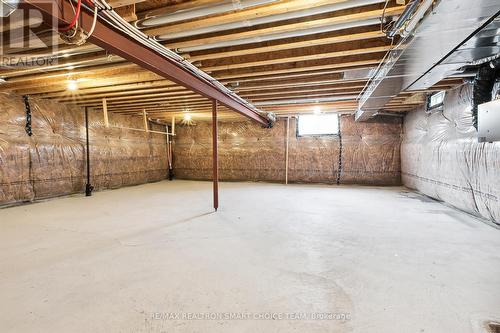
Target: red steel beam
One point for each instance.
(215, 155)
(59, 12)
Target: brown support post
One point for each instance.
(215, 164)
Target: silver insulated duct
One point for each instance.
(454, 34)
(188, 14)
(270, 19)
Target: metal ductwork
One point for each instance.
(358, 74)
(270, 19)
(483, 86)
(189, 14)
(453, 35)
(275, 36)
(307, 100)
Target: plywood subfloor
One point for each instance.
(130, 260)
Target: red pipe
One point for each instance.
(75, 18)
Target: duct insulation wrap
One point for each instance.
(52, 161)
(248, 152)
(442, 158)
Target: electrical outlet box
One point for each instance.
(488, 121)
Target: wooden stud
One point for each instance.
(286, 147)
(105, 112)
(145, 120)
(122, 3)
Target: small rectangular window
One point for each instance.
(435, 100)
(323, 124)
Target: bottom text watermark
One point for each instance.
(250, 316)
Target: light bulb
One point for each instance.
(72, 85)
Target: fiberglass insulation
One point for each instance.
(52, 161)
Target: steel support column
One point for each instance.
(215, 163)
(88, 187)
(115, 41)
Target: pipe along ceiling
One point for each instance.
(220, 9)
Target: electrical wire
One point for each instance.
(76, 35)
(76, 25)
(382, 19)
(94, 22)
(75, 18)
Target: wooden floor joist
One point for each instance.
(300, 58)
(277, 70)
(288, 46)
(277, 29)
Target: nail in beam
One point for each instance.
(215, 165)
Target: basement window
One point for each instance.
(316, 125)
(435, 101)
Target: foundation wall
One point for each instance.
(52, 162)
(248, 152)
(442, 158)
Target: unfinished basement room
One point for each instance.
(250, 166)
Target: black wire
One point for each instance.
(339, 170)
(27, 108)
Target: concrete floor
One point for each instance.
(129, 260)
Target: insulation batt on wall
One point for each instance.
(370, 153)
(52, 161)
(442, 158)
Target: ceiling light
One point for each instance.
(317, 110)
(72, 85)
(187, 117)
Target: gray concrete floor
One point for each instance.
(129, 260)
